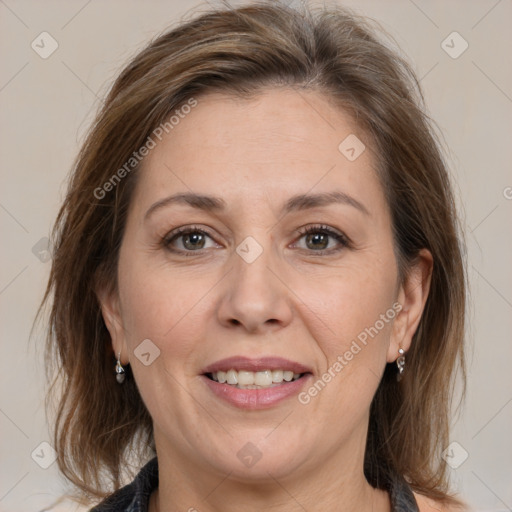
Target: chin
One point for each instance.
(258, 462)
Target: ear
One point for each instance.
(412, 296)
(111, 312)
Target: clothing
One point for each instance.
(134, 497)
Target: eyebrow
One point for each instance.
(295, 203)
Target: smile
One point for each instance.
(243, 379)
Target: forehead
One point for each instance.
(279, 141)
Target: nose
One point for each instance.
(255, 295)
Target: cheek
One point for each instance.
(354, 303)
(351, 320)
(160, 306)
(166, 310)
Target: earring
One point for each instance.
(120, 374)
(400, 363)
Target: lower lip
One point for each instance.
(256, 398)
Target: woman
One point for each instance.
(258, 289)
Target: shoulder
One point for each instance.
(429, 505)
(134, 496)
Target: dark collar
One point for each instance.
(133, 497)
(401, 496)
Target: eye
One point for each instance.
(186, 240)
(318, 238)
(191, 239)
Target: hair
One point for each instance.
(243, 52)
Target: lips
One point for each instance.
(255, 365)
(255, 397)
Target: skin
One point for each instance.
(290, 302)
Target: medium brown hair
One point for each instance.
(100, 424)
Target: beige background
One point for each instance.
(47, 104)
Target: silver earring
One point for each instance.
(400, 364)
(120, 374)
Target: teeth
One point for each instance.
(288, 376)
(254, 380)
(245, 378)
(263, 378)
(232, 377)
(277, 375)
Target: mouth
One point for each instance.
(255, 383)
(243, 379)
(263, 372)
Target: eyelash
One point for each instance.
(326, 230)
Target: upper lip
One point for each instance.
(256, 365)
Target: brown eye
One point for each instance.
(318, 239)
(186, 240)
(194, 240)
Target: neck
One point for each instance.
(376, 501)
(191, 488)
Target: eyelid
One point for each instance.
(184, 230)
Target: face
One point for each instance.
(264, 277)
